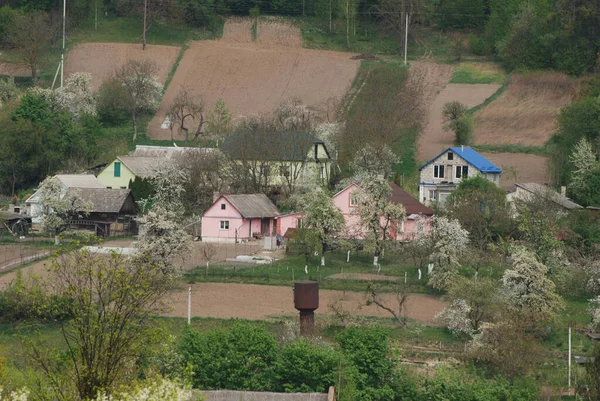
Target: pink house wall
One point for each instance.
(287, 221)
(239, 228)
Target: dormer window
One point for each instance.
(450, 156)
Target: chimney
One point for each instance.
(563, 190)
(462, 148)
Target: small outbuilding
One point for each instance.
(234, 218)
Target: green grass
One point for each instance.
(490, 99)
(469, 74)
(129, 30)
(175, 66)
(513, 148)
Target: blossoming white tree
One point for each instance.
(76, 96)
(57, 206)
(377, 214)
(374, 161)
(162, 237)
(449, 241)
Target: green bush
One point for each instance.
(306, 367)
(479, 46)
(112, 109)
(373, 370)
(240, 358)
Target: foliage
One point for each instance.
(459, 122)
(75, 96)
(58, 206)
(373, 161)
(240, 358)
(449, 241)
(142, 90)
(592, 370)
(112, 107)
(528, 289)
(156, 389)
(219, 120)
(480, 207)
(163, 237)
(113, 300)
(585, 176)
(324, 219)
(378, 215)
(8, 89)
(460, 14)
(373, 371)
(15, 395)
(306, 367)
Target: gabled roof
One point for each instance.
(107, 200)
(79, 181)
(554, 196)
(400, 196)
(140, 166)
(252, 206)
(412, 205)
(166, 152)
(271, 145)
(471, 156)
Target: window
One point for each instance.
(450, 156)
(284, 171)
(431, 195)
(353, 200)
(264, 171)
(438, 171)
(465, 171)
(224, 224)
(223, 206)
(117, 169)
(458, 171)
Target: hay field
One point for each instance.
(525, 114)
(102, 59)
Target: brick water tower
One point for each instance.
(306, 300)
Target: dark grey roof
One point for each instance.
(253, 206)
(10, 216)
(108, 200)
(554, 196)
(270, 145)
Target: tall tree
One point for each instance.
(142, 89)
(186, 106)
(30, 34)
(449, 241)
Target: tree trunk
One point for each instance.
(134, 125)
(322, 260)
(144, 34)
(376, 260)
(56, 240)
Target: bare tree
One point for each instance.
(185, 107)
(30, 34)
(397, 309)
(209, 252)
(142, 89)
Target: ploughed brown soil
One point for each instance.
(14, 70)
(519, 167)
(102, 59)
(255, 77)
(259, 302)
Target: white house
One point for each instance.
(442, 174)
(68, 181)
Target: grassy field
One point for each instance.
(478, 73)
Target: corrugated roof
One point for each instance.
(270, 145)
(253, 206)
(554, 196)
(166, 152)
(105, 200)
(79, 181)
(471, 156)
(412, 205)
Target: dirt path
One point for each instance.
(434, 139)
(102, 59)
(363, 276)
(259, 302)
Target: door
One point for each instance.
(264, 227)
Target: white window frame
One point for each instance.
(353, 200)
(224, 225)
(437, 168)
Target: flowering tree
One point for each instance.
(76, 96)
(374, 161)
(449, 240)
(456, 317)
(378, 215)
(584, 178)
(528, 289)
(162, 237)
(58, 206)
(141, 87)
(323, 219)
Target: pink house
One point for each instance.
(347, 201)
(239, 217)
(287, 222)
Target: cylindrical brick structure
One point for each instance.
(306, 300)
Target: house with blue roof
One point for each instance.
(442, 174)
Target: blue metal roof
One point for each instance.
(471, 156)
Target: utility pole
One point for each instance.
(190, 305)
(96, 15)
(62, 56)
(406, 40)
(569, 357)
(145, 15)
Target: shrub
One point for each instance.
(479, 46)
(306, 367)
(241, 358)
(111, 103)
